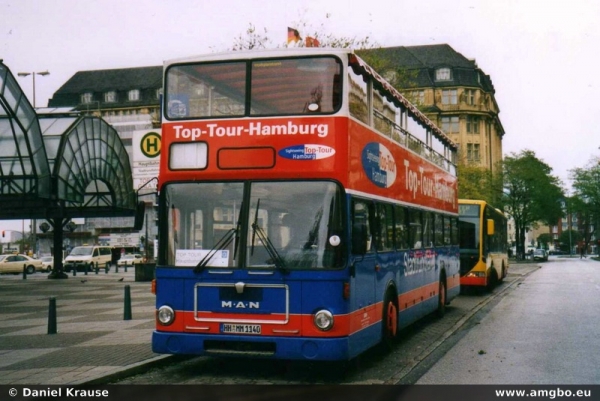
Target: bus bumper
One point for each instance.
(324, 349)
(473, 281)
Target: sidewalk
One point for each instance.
(92, 340)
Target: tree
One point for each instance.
(531, 193)
(544, 240)
(476, 182)
(586, 200)
(567, 239)
(251, 39)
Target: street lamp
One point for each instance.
(33, 74)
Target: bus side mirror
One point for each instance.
(491, 228)
(359, 238)
(138, 222)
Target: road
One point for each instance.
(418, 348)
(546, 331)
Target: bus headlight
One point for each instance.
(323, 319)
(476, 274)
(165, 315)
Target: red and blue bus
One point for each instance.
(306, 209)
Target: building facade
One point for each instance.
(454, 93)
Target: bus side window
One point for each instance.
(384, 239)
(416, 228)
(401, 231)
(361, 227)
(427, 229)
(438, 235)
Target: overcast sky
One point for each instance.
(541, 55)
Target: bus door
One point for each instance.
(364, 259)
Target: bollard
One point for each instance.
(127, 305)
(125, 268)
(52, 316)
(96, 269)
(74, 270)
(85, 271)
(25, 272)
(106, 268)
(117, 268)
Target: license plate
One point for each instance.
(240, 328)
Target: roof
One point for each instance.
(426, 59)
(114, 79)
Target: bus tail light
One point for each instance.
(323, 319)
(153, 287)
(475, 274)
(346, 291)
(165, 315)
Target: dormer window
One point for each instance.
(443, 74)
(86, 97)
(110, 97)
(134, 95)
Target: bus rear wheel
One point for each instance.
(390, 321)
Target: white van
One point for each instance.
(88, 255)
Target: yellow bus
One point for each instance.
(483, 244)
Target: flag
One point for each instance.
(293, 37)
(311, 42)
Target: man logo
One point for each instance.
(240, 305)
(150, 144)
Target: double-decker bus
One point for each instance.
(483, 244)
(307, 210)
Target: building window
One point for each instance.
(110, 97)
(86, 98)
(134, 95)
(418, 97)
(472, 125)
(450, 125)
(470, 96)
(473, 152)
(449, 96)
(443, 74)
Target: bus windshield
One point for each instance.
(277, 87)
(469, 226)
(287, 225)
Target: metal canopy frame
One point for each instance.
(60, 164)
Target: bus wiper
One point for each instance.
(219, 246)
(271, 250)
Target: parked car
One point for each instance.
(15, 263)
(540, 254)
(88, 255)
(47, 263)
(130, 259)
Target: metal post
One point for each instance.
(127, 305)
(52, 316)
(24, 272)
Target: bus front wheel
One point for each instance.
(390, 321)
